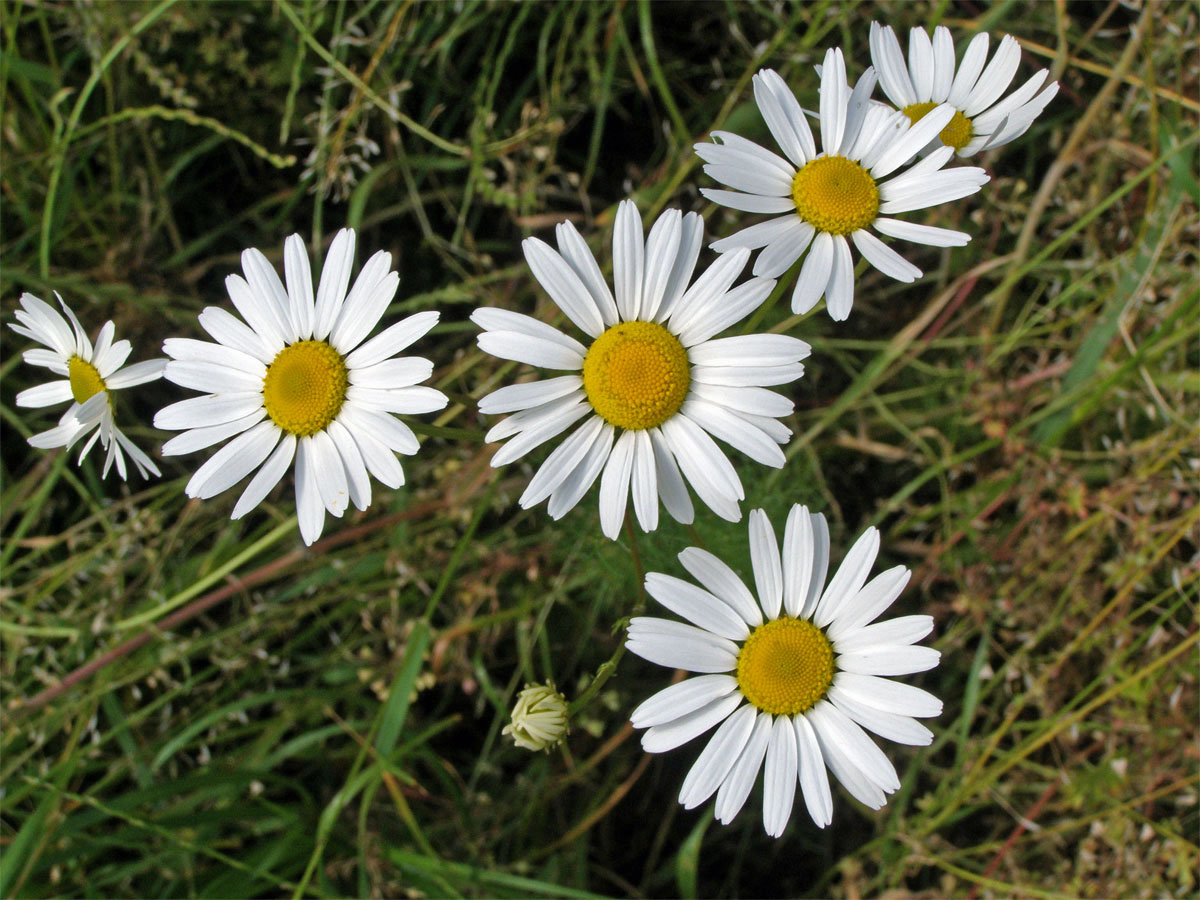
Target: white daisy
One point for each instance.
(91, 373)
(793, 677)
(838, 193)
(297, 384)
(652, 386)
(981, 119)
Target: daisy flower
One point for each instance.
(296, 382)
(981, 119)
(793, 677)
(652, 385)
(90, 373)
(838, 193)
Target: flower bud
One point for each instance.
(539, 720)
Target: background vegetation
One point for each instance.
(1021, 423)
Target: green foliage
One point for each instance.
(1021, 424)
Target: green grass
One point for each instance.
(1021, 424)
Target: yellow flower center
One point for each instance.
(785, 666)
(85, 379)
(835, 194)
(636, 375)
(957, 134)
(305, 387)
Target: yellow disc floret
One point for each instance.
(305, 387)
(785, 666)
(835, 194)
(957, 134)
(85, 379)
(636, 375)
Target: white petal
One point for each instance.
(883, 257)
(890, 660)
(186, 349)
(231, 331)
(643, 482)
(628, 260)
(309, 510)
(717, 758)
(764, 556)
(502, 320)
(839, 293)
(234, 461)
(730, 428)
(536, 351)
(758, 349)
(211, 378)
(856, 110)
(564, 416)
(704, 466)
(797, 559)
(943, 64)
(680, 646)
(379, 459)
(784, 117)
(746, 376)
(696, 605)
(298, 273)
(723, 583)
(833, 97)
(814, 275)
(820, 566)
(920, 63)
(577, 254)
(968, 70)
(749, 202)
(266, 477)
(707, 293)
(564, 460)
(614, 486)
(366, 303)
(995, 78)
(901, 630)
(390, 432)
(563, 285)
(766, 182)
(392, 373)
(260, 314)
(690, 238)
(45, 394)
(850, 576)
(264, 284)
(577, 483)
(515, 397)
(138, 373)
(888, 60)
(901, 729)
(839, 760)
(199, 438)
(733, 306)
(942, 188)
(907, 145)
(869, 602)
(662, 738)
(888, 695)
(737, 785)
(392, 340)
(779, 780)
(735, 150)
(662, 245)
(211, 409)
(814, 783)
(671, 489)
(920, 234)
(755, 236)
(680, 699)
(335, 276)
(331, 474)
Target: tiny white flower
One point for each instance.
(793, 675)
(90, 373)
(981, 121)
(652, 385)
(298, 383)
(839, 193)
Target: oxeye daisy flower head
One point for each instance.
(981, 121)
(295, 382)
(90, 373)
(652, 385)
(793, 673)
(844, 194)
